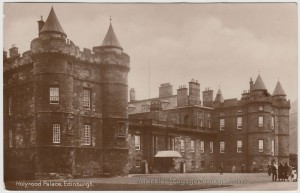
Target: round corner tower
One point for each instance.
(53, 91)
(114, 64)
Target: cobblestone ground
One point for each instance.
(190, 181)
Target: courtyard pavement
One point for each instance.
(188, 181)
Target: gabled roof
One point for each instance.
(219, 97)
(52, 24)
(278, 91)
(111, 39)
(259, 84)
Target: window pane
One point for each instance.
(86, 98)
(56, 133)
(87, 135)
(54, 95)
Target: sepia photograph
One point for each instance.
(150, 96)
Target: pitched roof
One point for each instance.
(111, 38)
(219, 96)
(278, 91)
(259, 84)
(52, 24)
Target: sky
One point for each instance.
(218, 44)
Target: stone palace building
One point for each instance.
(66, 114)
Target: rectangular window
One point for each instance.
(192, 145)
(182, 145)
(10, 138)
(239, 147)
(211, 147)
(273, 147)
(87, 135)
(260, 107)
(201, 146)
(56, 133)
(222, 146)
(86, 98)
(239, 121)
(260, 145)
(54, 95)
(137, 142)
(222, 124)
(211, 164)
(209, 124)
(10, 106)
(272, 122)
(260, 121)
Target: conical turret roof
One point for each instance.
(219, 97)
(52, 24)
(111, 39)
(278, 91)
(259, 84)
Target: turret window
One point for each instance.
(260, 121)
(87, 135)
(56, 133)
(54, 95)
(86, 98)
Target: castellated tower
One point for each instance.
(115, 68)
(81, 103)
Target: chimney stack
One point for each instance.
(132, 95)
(194, 92)
(13, 52)
(4, 55)
(165, 90)
(182, 96)
(208, 97)
(41, 24)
